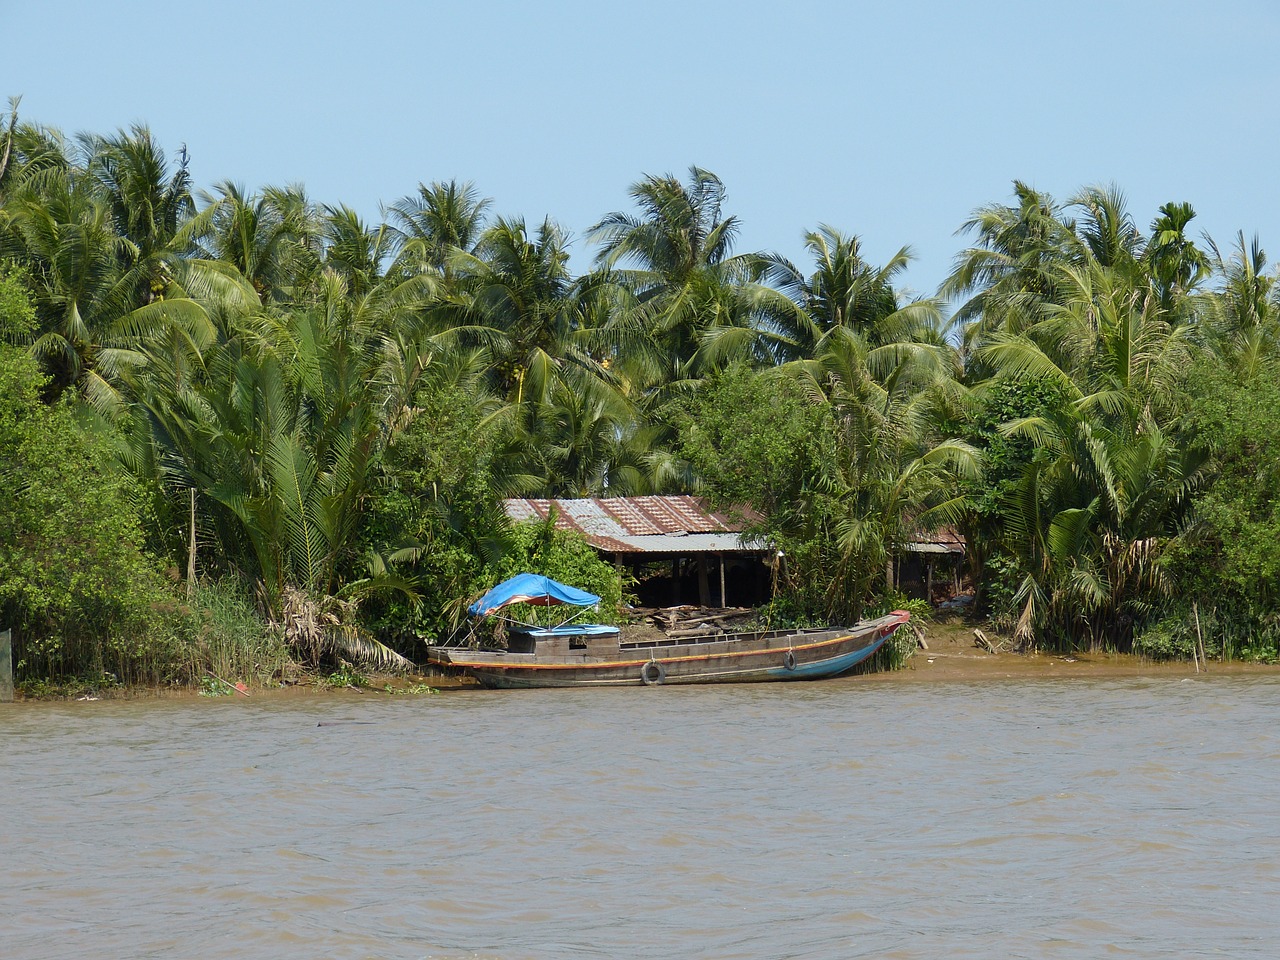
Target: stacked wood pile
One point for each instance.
(689, 620)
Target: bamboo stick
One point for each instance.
(1195, 609)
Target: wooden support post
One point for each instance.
(723, 601)
(6, 666)
(704, 588)
(191, 550)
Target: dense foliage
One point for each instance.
(74, 578)
(346, 403)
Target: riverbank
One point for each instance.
(953, 653)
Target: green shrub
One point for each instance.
(82, 597)
(900, 647)
(1236, 632)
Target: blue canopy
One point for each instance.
(530, 588)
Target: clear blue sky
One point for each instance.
(891, 120)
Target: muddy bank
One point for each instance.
(953, 654)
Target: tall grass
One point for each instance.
(227, 638)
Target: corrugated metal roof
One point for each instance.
(946, 539)
(659, 525)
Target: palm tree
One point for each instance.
(352, 249)
(27, 149)
(441, 219)
(100, 294)
(272, 239)
(892, 473)
(1107, 229)
(1173, 261)
(1243, 318)
(693, 305)
(1088, 523)
(149, 204)
(1007, 278)
(280, 437)
(844, 291)
(515, 296)
(1108, 482)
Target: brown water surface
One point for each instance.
(1055, 818)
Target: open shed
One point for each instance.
(677, 548)
(930, 560)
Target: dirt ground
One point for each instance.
(954, 654)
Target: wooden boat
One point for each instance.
(570, 654)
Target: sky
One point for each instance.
(893, 121)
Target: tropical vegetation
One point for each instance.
(234, 406)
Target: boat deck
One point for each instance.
(802, 635)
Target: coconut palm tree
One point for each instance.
(1109, 480)
(892, 471)
(102, 231)
(1088, 523)
(272, 240)
(846, 292)
(1006, 279)
(440, 219)
(693, 305)
(149, 203)
(26, 149)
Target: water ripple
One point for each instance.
(1064, 819)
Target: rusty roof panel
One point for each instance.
(680, 524)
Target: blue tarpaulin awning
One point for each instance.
(530, 588)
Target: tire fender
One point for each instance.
(653, 673)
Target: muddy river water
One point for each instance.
(1056, 818)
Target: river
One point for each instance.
(1059, 819)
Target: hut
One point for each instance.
(930, 562)
(676, 547)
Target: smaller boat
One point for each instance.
(572, 654)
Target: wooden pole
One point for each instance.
(1199, 637)
(723, 602)
(6, 666)
(191, 550)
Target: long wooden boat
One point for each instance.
(595, 655)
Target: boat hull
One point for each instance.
(746, 658)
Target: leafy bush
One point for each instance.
(1230, 553)
(1230, 633)
(900, 647)
(82, 597)
(566, 556)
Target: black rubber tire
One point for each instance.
(789, 661)
(653, 673)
